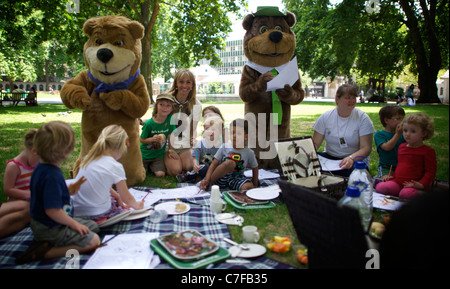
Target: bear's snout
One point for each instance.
(104, 54)
(275, 36)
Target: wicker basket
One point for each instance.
(334, 235)
(300, 165)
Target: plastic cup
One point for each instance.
(158, 216)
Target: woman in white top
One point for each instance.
(348, 131)
(96, 197)
(186, 115)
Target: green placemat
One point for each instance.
(221, 255)
(238, 206)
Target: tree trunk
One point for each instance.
(428, 64)
(149, 22)
(146, 63)
(11, 83)
(428, 87)
(47, 81)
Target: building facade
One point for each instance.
(233, 58)
(39, 86)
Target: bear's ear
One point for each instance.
(136, 29)
(290, 18)
(89, 26)
(248, 22)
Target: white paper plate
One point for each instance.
(138, 214)
(264, 194)
(169, 207)
(115, 219)
(255, 250)
(227, 218)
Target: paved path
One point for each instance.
(44, 100)
(49, 100)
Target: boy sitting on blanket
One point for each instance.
(227, 167)
(204, 150)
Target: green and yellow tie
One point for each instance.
(276, 104)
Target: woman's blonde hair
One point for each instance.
(192, 97)
(54, 141)
(423, 121)
(112, 137)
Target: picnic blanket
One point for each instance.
(199, 218)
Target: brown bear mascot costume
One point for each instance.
(111, 90)
(269, 45)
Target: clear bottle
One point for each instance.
(352, 199)
(361, 179)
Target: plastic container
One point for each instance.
(158, 216)
(301, 252)
(188, 245)
(352, 199)
(278, 243)
(361, 179)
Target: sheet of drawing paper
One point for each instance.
(126, 251)
(289, 75)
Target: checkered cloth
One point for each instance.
(199, 218)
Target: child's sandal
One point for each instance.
(36, 251)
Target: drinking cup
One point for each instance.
(250, 234)
(218, 206)
(158, 216)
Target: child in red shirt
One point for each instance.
(417, 163)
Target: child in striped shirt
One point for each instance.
(16, 182)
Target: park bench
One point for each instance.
(30, 99)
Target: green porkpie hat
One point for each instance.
(268, 11)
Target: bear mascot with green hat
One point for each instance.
(270, 81)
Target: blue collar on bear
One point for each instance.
(104, 87)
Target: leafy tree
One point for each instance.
(38, 39)
(334, 40)
(164, 41)
(189, 31)
(215, 88)
(193, 30)
(428, 27)
(15, 44)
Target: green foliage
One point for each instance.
(345, 38)
(200, 28)
(39, 38)
(333, 41)
(215, 88)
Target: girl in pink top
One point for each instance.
(417, 163)
(16, 182)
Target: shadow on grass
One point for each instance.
(41, 108)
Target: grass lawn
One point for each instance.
(15, 121)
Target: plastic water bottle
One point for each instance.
(352, 199)
(361, 179)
